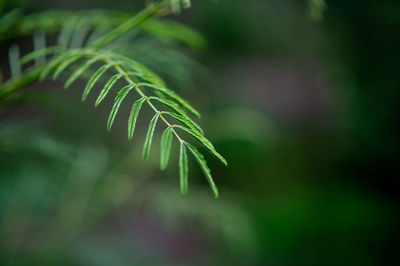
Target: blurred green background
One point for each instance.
(305, 110)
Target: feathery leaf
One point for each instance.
(107, 88)
(203, 165)
(79, 71)
(93, 79)
(118, 100)
(149, 136)
(53, 63)
(183, 169)
(137, 76)
(166, 140)
(133, 116)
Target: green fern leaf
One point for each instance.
(203, 165)
(137, 76)
(166, 141)
(118, 100)
(79, 71)
(107, 88)
(149, 136)
(93, 79)
(133, 116)
(183, 169)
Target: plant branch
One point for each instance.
(128, 79)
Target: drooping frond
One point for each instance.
(150, 89)
(73, 58)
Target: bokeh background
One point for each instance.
(303, 106)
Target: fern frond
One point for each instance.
(140, 80)
(112, 66)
